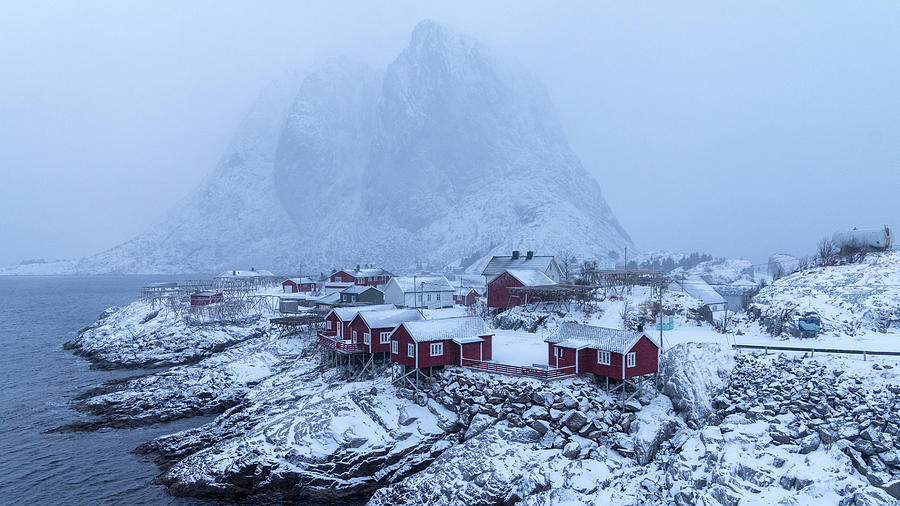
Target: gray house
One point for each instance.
(360, 294)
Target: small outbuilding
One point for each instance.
(206, 298)
(613, 353)
(465, 296)
(298, 285)
(362, 294)
(440, 342)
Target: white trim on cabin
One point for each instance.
(631, 359)
(603, 357)
(384, 337)
(394, 346)
(367, 339)
(437, 349)
(411, 351)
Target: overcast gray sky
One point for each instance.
(739, 130)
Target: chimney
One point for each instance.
(357, 267)
(515, 255)
(529, 255)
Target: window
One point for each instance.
(438, 296)
(603, 357)
(630, 359)
(557, 351)
(429, 297)
(394, 347)
(437, 349)
(366, 338)
(411, 350)
(385, 338)
(328, 325)
(354, 336)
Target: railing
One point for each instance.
(334, 344)
(812, 351)
(517, 370)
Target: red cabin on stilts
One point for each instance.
(445, 341)
(619, 354)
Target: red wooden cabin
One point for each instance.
(298, 285)
(498, 289)
(613, 353)
(445, 341)
(206, 298)
(372, 329)
(337, 321)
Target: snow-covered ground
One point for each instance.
(519, 348)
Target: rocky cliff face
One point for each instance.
(450, 152)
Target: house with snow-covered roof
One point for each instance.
(498, 291)
(613, 353)
(372, 329)
(440, 342)
(366, 276)
(430, 292)
(298, 285)
(545, 264)
(362, 294)
(337, 321)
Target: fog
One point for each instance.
(739, 130)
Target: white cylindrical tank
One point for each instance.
(875, 238)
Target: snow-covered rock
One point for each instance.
(140, 335)
(693, 374)
(850, 299)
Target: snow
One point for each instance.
(530, 277)
(422, 283)
(601, 338)
(518, 348)
(390, 317)
(446, 328)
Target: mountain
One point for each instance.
(451, 152)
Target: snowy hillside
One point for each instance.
(451, 152)
(850, 299)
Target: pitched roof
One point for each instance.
(390, 318)
(359, 289)
(576, 335)
(446, 328)
(498, 264)
(697, 288)
(365, 272)
(530, 277)
(299, 281)
(410, 284)
(345, 314)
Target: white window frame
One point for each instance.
(429, 297)
(630, 359)
(394, 347)
(353, 334)
(437, 349)
(328, 325)
(411, 350)
(367, 339)
(438, 296)
(385, 337)
(603, 357)
(557, 351)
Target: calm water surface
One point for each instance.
(38, 379)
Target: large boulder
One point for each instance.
(693, 374)
(653, 425)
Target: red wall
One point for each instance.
(587, 362)
(646, 360)
(346, 277)
(472, 351)
(498, 293)
(567, 359)
(486, 349)
(403, 338)
(450, 356)
(342, 277)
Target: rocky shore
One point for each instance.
(721, 429)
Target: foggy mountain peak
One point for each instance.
(451, 152)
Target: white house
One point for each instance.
(419, 291)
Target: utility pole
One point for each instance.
(660, 311)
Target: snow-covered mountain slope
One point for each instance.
(450, 152)
(850, 299)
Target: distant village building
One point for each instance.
(465, 296)
(368, 276)
(545, 264)
(498, 293)
(445, 341)
(206, 298)
(298, 285)
(419, 291)
(337, 321)
(696, 287)
(372, 329)
(612, 353)
(362, 294)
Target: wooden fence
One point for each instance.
(517, 370)
(812, 351)
(345, 346)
